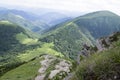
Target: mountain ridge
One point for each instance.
(92, 25)
(22, 53)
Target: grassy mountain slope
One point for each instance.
(25, 71)
(11, 44)
(8, 35)
(29, 70)
(69, 36)
(68, 39)
(100, 23)
(18, 47)
(14, 39)
(13, 35)
(102, 65)
(65, 39)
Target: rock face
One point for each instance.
(87, 50)
(103, 43)
(106, 42)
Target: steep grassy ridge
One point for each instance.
(103, 65)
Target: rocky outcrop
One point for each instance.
(103, 43)
(87, 50)
(44, 65)
(63, 66)
(56, 67)
(106, 42)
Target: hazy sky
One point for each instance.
(69, 5)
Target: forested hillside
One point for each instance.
(19, 46)
(13, 40)
(68, 37)
(66, 51)
(8, 32)
(100, 23)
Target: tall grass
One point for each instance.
(100, 66)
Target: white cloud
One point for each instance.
(70, 5)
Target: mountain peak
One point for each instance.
(99, 14)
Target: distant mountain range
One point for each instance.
(68, 37)
(60, 36)
(32, 21)
(54, 18)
